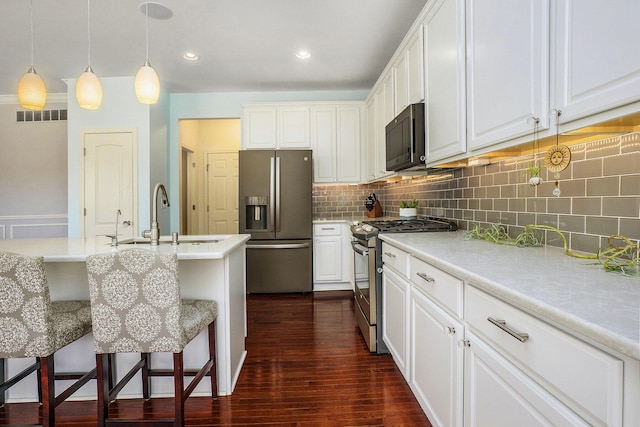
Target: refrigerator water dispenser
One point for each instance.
(256, 207)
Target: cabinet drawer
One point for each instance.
(444, 288)
(396, 259)
(327, 229)
(585, 378)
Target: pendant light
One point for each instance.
(88, 87)
(147, 83)
(32, 92)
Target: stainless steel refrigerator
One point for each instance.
(275, 208)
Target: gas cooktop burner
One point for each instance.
(413, 225)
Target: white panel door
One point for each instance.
(395, 312)
(222, 193)
(109, 184)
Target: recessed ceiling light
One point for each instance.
(156, 10)
(190, 56)
(303, 54)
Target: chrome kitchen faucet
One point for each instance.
(154, 233)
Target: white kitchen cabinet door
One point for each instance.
(327, 257)
(395, 312)
(385, 113)
(415, 67)
(259, 128)
(597, 56)
(293, 127)
(372, 138)
(323, 143)
(436, 361)
(497, 394)
(348, 144)
(507, 69)
(445, 80)
(401, 90)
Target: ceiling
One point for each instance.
(244, 45)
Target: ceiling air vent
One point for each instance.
(41, 116)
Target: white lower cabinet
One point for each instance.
(498, 394)
(436, 361)
(473, 360)
(332, 257)
(395, 303)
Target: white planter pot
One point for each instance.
(535, 180)
(408, 213)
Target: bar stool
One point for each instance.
(33, 326)
(136, 308)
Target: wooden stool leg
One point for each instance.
(212, 355)
(3, 378)
(48, 388)
(146, 378)
(178, 385)
(103, 379)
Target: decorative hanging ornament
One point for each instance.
(558, 157)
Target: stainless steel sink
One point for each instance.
(166, 240)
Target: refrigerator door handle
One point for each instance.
(277, 194)
(280, 246)
(272, 195)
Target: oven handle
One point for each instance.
(359, 249)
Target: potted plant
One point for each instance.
(408, 209)
(533, 172)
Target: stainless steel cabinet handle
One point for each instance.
(390, 255)
(502, 324)
(450, 330)
(328, 228)
(126, 223)
(424, 276)
(359, 249)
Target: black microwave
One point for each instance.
(405, 139)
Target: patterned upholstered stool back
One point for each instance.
(25, 307)
(135, 302)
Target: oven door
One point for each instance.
(364, 262)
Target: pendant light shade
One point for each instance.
(89, 90)
(32, 93)
(147, 84)
(88, 87)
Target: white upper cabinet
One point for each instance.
(408, 73)
(597, 56)
(372, 137)
(444, 42)
(380, 111)
(335, 140)
(507, 46)
(275, 127)
(259, 128)
(415, 67)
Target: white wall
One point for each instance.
(119, 110)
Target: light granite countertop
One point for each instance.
(574, 294)
(77, 249)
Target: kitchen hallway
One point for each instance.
(307, 365)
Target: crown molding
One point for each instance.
(52, 98)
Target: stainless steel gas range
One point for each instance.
(367, 252)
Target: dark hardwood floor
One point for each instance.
(307, 365)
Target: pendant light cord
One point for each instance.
(147, 27)
(31, 12)
(89, 31)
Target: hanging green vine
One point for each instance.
(620, 259)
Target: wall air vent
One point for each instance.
(41, 116)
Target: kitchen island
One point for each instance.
(210, 267)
